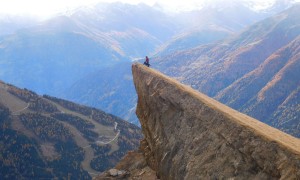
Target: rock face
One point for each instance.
(188, 135)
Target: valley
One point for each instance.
(75, 99)
(237, 71)
(72, 49)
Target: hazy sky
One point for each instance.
(45, 8)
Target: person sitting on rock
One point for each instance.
(147, 62)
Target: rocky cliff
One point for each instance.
(188, 135)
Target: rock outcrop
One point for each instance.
(188, 135)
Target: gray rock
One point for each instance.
(188, 135)
(113, 172)
(122, 172)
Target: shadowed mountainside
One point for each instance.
(68, 47)
(59, 50)
(110, 89)
(47, 137)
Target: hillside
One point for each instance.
(270, 91)
(228, 66)
(68, 47)
(110, 89)
(218, 19)
(47, 137)
(120, 17)
(193, 38)
(188, 135)
(59, 50)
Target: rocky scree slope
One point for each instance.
(188, 135)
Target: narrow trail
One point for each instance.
(83, 143)
(104, 143)
(15, 113)
(101, 142)
(110, 141)
(94, 174)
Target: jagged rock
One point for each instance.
(136, 168)
(188, 135)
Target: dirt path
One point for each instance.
(19, 111)
(82, 142)
(88, 150)
(13, 103)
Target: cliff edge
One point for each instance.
(188, 135)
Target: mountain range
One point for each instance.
(235, 71)
(68, 47)
(246, 58)
(45, 137)
(199, 28)
(256, 71)
(82, 53)
(52, 52)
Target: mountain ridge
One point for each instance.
(181, 58)
(71, 47)
(225, 67)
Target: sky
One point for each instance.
(44, 8)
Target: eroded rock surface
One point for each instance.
(188, 135)
(191, 136)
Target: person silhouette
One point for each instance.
(147, 62)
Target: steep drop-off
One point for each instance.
(188, 135)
